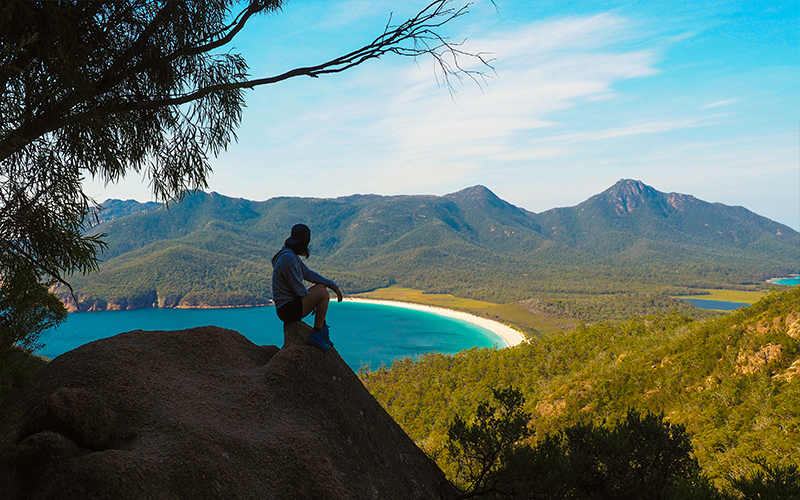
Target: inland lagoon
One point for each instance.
(716, 305)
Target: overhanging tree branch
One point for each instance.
(418, 33)
(230, 31)
(107, 87)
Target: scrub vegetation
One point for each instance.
(729, 382)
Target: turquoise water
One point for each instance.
(794, 280)
(364, 334)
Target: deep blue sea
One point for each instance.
(364, 334)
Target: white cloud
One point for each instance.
(653, 127)
(388, 128)
(577, 103)
(543, 72)
(720, 103)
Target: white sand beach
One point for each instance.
(510, 336)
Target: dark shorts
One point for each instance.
(291, 311)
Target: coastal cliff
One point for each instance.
(151, 299)
(204, 413)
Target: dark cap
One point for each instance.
(300, 234)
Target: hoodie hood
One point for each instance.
(280, 252)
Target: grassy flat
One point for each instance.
(510, 313)
(419, 297)
(728, 296)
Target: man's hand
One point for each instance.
(339, 296)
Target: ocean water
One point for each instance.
(364, 334)
(794, 280)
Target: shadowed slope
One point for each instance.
(204, 413)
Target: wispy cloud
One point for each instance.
(387, 128)
(545, 68)
(721, 103)
(652, 127)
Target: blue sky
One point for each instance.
(695, 97)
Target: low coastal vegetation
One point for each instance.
(550, 313)
(730, 381)
(513, 314)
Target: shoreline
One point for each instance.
(510, 336)
(777, 281)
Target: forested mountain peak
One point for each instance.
(475, 193)
(482, 208)
(630, 213)
(628, 194)
(214, 250)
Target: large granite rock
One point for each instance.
(205, 413)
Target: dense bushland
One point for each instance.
(731, 381)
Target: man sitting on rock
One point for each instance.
(293, 301)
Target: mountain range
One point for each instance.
(212, 250)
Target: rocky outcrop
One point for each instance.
(204, 413)
(790, 325)
(751, 362)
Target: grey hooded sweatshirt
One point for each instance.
(288, 273)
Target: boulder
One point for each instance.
(41, 451)
(206, 414)
(78, 414)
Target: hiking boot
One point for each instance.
(326, 334)
(315, 339)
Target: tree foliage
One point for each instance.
(769, 482)
(103, 89)
(712, 376)
(27, 308)
(479, 449)
(641, 456)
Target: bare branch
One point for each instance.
(418, 32)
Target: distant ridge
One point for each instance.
(212, 250)
(114, 209)
(632, 208)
